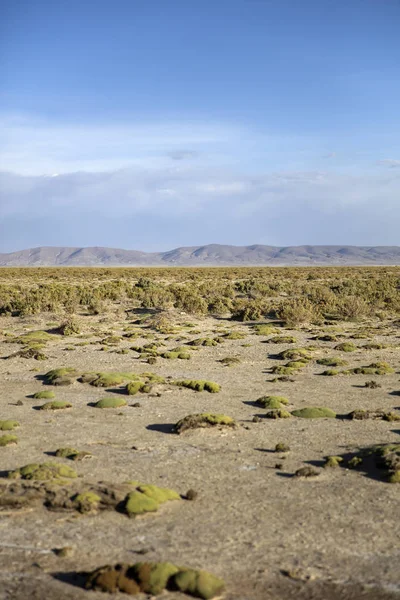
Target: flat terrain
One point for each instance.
(268, 533)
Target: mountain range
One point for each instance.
(209, 255)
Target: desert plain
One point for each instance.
(278, 502)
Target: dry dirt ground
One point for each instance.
(270, 535)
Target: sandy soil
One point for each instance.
(337, 534)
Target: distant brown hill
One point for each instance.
(212, 255)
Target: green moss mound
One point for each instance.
(56, 405)
(346, 347)
(111, 403)
(282, 339)
(203, 342)
(265, 329)
(8, 425)
(181, 355)
(234, 335)
(135, 387)
(71, 453)
(29, 352)
(333, 461)
(138, 504)
(295, 354)
(86, 502)
(374, 346)
(378, 368)
(60, 376)
(361, 414)
(297, 364)
(314, 412)
(6, 440)
(147, 498)
(384, 457)
(35, 337)
(278, 413)
(327, 337)
(158, 494)
(272, 401)
(154, 578)
(330, 372)
(230, 361)
(283, 370)
(43, 472)
(106, 380)
(45, 395)
(199, 385)
(332, 361)
(282, 447)
(202, 420)
(199, 584)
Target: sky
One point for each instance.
(154, 124)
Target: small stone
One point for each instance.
(64, 552)
(191, 494)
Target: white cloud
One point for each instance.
(32, 147)
(390, 162)
(172, 191)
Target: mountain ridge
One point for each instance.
(206, 255)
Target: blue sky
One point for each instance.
(152, 124)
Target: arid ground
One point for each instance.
(273, 522)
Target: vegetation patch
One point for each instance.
(333, 461)
(204, 342)
(60, 376)
(378, 368)
(147, 498)
(199, 385)
(282, 339)
(314, 412)
(361, 414)
(45, 395)
(297, 364)
(282, 370)
(202, 420)
(8, 425)
(272, 401)
(332, 361)
(43, 472)
(71, 454)
(278, 413)
(346, 347)
(326, 337)
(374, 346)
(330, 372)
(69, 327)
(153, 579)
(384, 457)
(234, 335)
(86, 502)
(111, 403)
(134, 387)
(34, 337)
(6, 440)
(306, 472)
(295, 354)
(55, 405)
(282, 447)
(173, 355)
(29, 352)
(230, 361)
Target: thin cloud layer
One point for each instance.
(211, 205)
